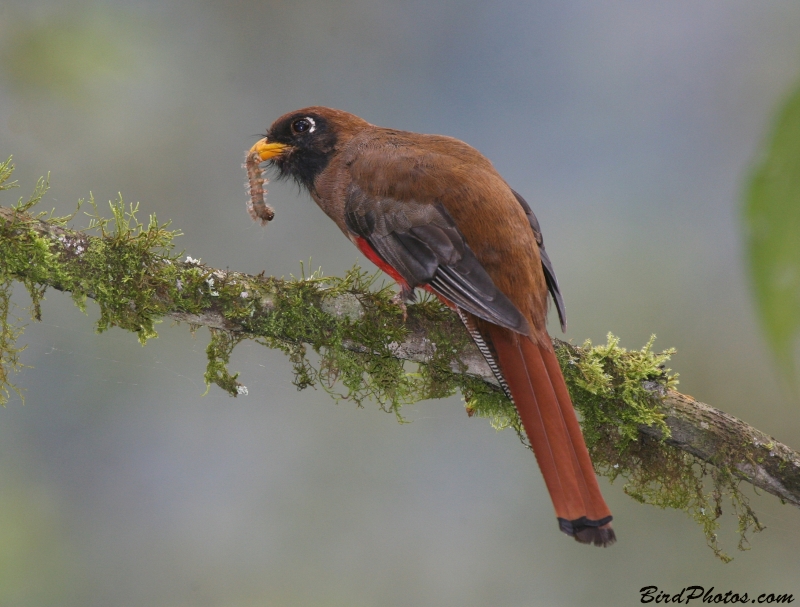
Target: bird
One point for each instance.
(433, 213)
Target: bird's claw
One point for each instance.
(400, 301)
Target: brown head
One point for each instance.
(300, 144)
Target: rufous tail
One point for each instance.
(537, 387)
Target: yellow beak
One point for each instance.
(268, 149)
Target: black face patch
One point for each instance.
(311, 142)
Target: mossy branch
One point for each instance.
(667, 446)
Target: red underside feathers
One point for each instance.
(370, 254)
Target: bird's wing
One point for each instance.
(547, 266)
(422, 243)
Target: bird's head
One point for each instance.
(301, 143)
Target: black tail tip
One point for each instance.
(599, 536)
(585, 531)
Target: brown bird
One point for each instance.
(433, 213)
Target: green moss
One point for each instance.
(12, 327)
(128, 270)
(116, 269)
(610, 388)
(219, 352)
(616, 392)
(10, 332)
(299, 326)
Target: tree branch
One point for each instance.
(44, 253)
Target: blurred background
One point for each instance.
(631, 128)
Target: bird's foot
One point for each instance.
(400, 301)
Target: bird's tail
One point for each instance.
(537, 387)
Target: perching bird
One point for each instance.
(433, 213)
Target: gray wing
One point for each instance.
(423, 244)
(547, 266)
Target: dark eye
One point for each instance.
(303, 125)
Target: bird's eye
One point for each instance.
(303, 125)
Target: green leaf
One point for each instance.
(772, 222)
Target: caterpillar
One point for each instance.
(256, 205)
